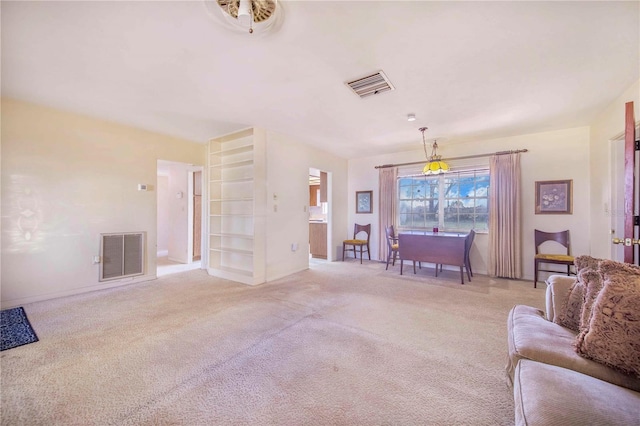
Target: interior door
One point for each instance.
(631, 238)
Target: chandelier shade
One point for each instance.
(435, 165)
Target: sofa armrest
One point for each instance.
(557, 292)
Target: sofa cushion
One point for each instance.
(613, 335)
(544, 394)
(531, 336)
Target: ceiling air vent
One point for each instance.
(371, 85)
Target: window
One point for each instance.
(455, 201)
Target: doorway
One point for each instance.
(319, 215)
(179, 217)
(617, 205)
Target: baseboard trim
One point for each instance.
(12, 303)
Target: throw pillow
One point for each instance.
(613, 335)
(571, 311)
(585, 261)
(592, 280)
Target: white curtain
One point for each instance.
(387, 202)
(505, 252)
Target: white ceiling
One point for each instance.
(468, 70)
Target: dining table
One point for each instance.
(440, 248)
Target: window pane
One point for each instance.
(464, 201)
(482, 205)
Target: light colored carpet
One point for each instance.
(339, 344)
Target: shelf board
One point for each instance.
(236, 180)
(232, 250)
(242, 272)
(237, 150)
(232, 164)
(224, 234)
(224, 200)
(231, 215)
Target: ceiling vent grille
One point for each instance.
(371, 85)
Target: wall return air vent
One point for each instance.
(371, 85)
(122, 255)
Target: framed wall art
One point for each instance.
(554, 197)
(364, 201)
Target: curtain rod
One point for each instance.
(515, 151)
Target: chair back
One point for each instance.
(361, 228)
(561, 237)
(391, 235)
(468, 242)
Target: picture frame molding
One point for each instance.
(543, 191)
(365, 197)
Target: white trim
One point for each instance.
(102, 286)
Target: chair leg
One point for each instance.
(343, 249)
(388, 258)
(461, 276)
(368, 252)
(401, 263)
(414, 267)
(361, 254)
(395, 254)
(535, 275)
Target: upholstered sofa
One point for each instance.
(579, 364)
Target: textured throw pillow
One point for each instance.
(613, 335)
(586, 262)
(592, 285)
(571, 310)
(592, 280)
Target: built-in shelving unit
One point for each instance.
(236, 207)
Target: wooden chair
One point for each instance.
(467, 249)
(392, 245)
(566, 259)
(355, 242)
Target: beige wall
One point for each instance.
(163, 215)
(562, 154)
(608, 126)
(67, 178)
(288, 163)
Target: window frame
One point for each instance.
(478, 173)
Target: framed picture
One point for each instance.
(364, 201)
(554, 197)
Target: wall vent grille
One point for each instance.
(122, 255)
(373, 84)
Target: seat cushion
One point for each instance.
(355, 242)
(394, 246)
(555, 257)
(531, 336)
(545, 394)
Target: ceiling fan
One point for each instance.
(252, 16)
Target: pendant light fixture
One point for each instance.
(434, 165)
